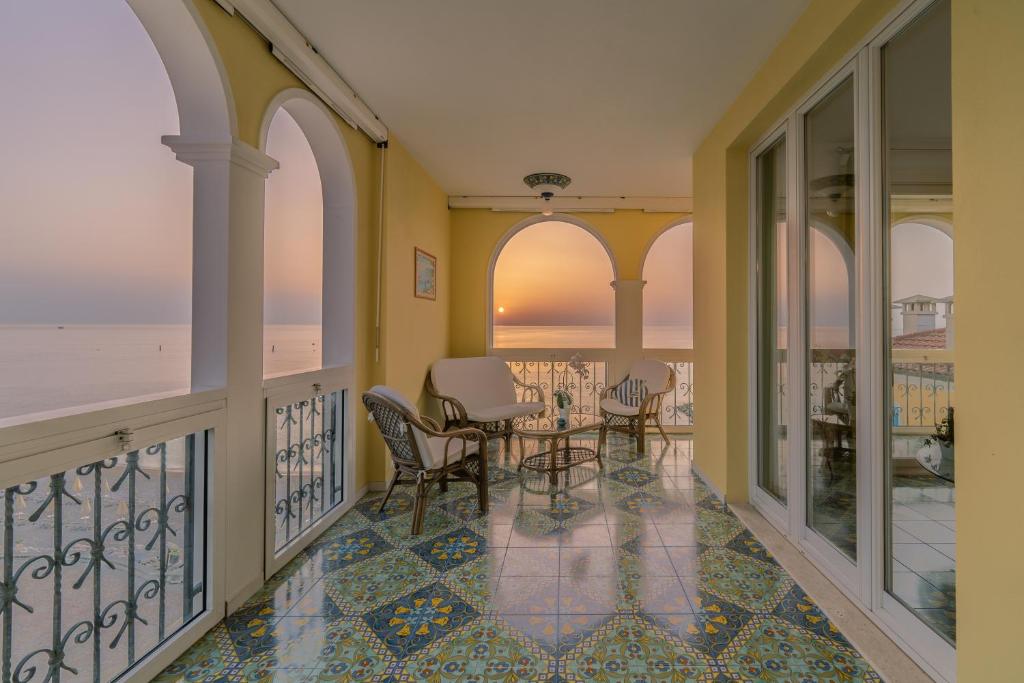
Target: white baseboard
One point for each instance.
(375, 486)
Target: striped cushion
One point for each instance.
(631, 392)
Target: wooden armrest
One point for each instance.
(454, 411)
(532, 387)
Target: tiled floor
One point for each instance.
(633, 574)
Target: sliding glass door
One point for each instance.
(852, 310)
(772, 285)
(920, 505)
(829, 246)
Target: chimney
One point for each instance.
(918, 313)
(948, 317)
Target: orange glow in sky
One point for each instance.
(554, 273)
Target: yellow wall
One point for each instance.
(816, 43)
(476, 233)
(988, 145)
(415, 332)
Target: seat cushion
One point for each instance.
(477, 383)
(435, 448)
(505, 412)
(616, 407)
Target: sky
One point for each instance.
(553, 273)
(293, 229)
(97, 213)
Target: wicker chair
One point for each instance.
(421, 451)
(481, 392)
(658, 378)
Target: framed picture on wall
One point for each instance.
(425, 284)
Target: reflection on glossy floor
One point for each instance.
(633, 574)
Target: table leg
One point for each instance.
(553, 471)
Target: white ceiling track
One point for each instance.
(532, 204)
(295, 52)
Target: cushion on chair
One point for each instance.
(505, 412)
(436, 446)
(478, 383)
(616, 407)
(653, 372)
(422, 440)
(631, 392)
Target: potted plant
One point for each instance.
(936, 452)
(563, 395)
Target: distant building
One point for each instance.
(919, 313)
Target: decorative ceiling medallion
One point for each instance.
(559, 180)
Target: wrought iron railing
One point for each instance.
(307, 462)
(584, 384)
(677, 406)
(922, 392)
(103, 562)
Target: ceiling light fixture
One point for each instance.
(547, 182)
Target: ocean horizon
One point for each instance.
(54, 367)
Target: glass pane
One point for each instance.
(772, 319)
(921, 537)
(104, 562)
(831, 326)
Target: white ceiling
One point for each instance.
(616, 94)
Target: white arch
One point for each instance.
(932, 221)
(337, 181)
(202, 92)
(518, 227)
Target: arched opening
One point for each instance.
(668, 289)
(551, 288)
(96, 275)
(308, 239)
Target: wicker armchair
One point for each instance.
(424, 453)
(658, 378)
(481, 393)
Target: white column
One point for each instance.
(227, 334)
(629, 325)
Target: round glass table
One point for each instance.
(560, 455)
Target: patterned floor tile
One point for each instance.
(376, 581)
(637, 572)
(414, 621)
(451, 549)
(770, 649)
(631, 648)
(484, 651)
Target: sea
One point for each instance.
(46, 368)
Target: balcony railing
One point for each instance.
(585, 386)
(305, 456)
(922, 389)
(103, 562)
(551, 369)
